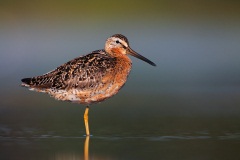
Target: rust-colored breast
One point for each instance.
(112, 82)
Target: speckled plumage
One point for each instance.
(91, 78)
(83, 79)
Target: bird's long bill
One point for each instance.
(135, 54)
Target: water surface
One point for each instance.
(188, 107)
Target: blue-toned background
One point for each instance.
(190, 100)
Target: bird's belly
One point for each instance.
(89, 96)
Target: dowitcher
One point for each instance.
(91, 78)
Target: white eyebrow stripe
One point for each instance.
(123, 43)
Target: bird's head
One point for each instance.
(118, 45)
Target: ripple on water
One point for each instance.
(8, 134)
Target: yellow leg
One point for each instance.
(86, 121)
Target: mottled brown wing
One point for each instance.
(83, 73)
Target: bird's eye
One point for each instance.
(117, 41)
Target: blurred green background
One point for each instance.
(193, 93)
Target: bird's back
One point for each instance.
(86, 79)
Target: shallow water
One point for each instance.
(188, 107)
(57, 132)
(200, 145)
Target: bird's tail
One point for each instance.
(26, 82)
(35, 84)
(39, 82)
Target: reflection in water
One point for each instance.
(75, 155)
(86, 148)
(206, 143)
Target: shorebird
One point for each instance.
(90, 78)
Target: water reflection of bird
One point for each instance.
(91, 78)
(86, 148)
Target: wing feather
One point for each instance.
(82, 73)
